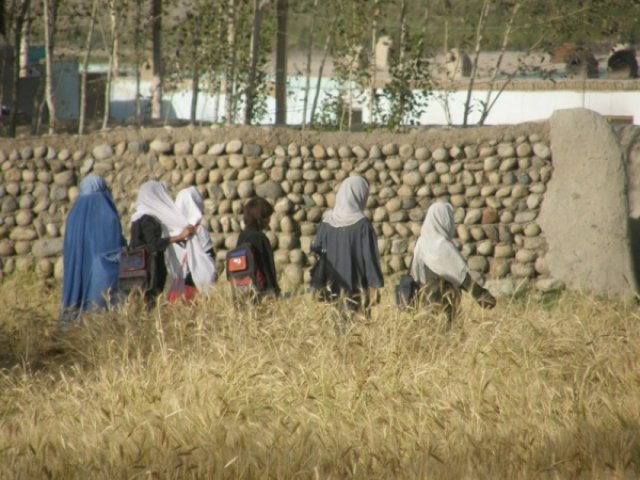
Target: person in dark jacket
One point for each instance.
(350, 248)
(154, 214)
(256, 215)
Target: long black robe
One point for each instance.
(147, 232)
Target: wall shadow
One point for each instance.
(634, 234)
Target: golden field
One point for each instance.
(537, 388)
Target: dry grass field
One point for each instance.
(533, 389)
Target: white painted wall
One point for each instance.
(511, 108)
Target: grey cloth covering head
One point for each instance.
(350, 202)
(435, 247)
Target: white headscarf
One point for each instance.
(189, 203)
(153, 200)
(350, 202)
(435, 247)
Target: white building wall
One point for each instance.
(512, 106)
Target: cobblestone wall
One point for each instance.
(496, 184)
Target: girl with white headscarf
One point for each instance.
(438, 267)
(189, 203)
(156, 224)
(350, 248)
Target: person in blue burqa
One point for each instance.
(92, 244)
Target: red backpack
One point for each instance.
(243, 272)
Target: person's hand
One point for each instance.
(185, 234)
(486, 300)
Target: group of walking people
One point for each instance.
(181, 258)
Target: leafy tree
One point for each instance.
(350, 59)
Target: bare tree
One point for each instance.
(50, 9)
(402, 46)
(372, 58)
(113, 7)
(488, 102)
(228, 88)
(19, 9)
(258, 7)
(325, 54)
(24, 46)
(85, 66)
(3, 18)
(115, 49)
(307, 83)
(282, 7)
(480, 27)
(158, 70)
(137, 54)
(4, 61)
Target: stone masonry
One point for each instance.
(496, 183)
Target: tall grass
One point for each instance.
(532, 389)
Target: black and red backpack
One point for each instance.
(243, 272)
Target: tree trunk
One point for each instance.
(110, 69)
(116, 42)
(5, 62)
(21, 13)
(448, 13)
(403, 31)
(482, 22)
(281, 62)
(195, 91)
(424, 35)
(401, 60)
(156, 36)
(3, 19)
(372, 60)
(325, 54)
(50, 10)
(230, 70)
(24, 47)
(39, 103)
(307, 85)
(488, 104)
(216, 99)
(85, 66)
(3, 58)
(137, 40)
(446, 36)
(258, 5)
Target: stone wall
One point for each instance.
(496, 178)
(585, 215)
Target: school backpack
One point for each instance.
(243, 272)
(134, 270)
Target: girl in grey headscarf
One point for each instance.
(350, 248)
(438, 267)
